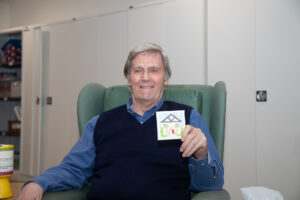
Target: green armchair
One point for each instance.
(210, 101)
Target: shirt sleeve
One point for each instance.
(77, 166)
(207, 173)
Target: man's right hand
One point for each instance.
(31, 191)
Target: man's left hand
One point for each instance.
(194, 142)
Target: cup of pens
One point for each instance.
(6, 169)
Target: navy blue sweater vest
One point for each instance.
(132, 164)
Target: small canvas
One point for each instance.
(170, 124)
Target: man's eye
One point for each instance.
(154, 70)
(137, 70)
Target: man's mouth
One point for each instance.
(147, 87)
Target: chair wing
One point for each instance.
(89, 103)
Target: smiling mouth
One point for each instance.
(146, 87)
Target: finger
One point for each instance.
(186, 131)
(191, 145)
(187, 140)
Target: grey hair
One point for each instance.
(148, 47)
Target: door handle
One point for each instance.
(261, 96)
(37, 100)
(49, 100)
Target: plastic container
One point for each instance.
(6, 169)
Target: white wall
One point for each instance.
(28, 12)
(4, 15)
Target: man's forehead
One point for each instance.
(142, 56)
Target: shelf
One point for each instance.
(10, 99)
(10, 91)
(12, 33)
(6, 133)
(5, 80)
(17, 66)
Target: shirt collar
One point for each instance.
(151, 111)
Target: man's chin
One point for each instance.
(147, 99)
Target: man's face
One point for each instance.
(147, 78)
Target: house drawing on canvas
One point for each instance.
(171, 125)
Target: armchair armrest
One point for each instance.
(82, 193)
(211, 195)
(68, 194)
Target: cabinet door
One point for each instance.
(112, 48)
(55, 134)
(66, 70)
(178, 26)
(77, 53)
(30, 138)
(231, 58)
(254, 45)
(278, 72)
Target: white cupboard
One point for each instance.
(179, 27)
(254, 45)
(231, 58)
(278, 72)
(30, 139)
(74, 53)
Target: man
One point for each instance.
(119, 152)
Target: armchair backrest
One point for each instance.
(209, 101)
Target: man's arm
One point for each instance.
(73, 172)
(206, 168)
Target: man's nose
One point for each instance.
(145, 75)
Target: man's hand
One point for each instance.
(31, 191)
(194, 143)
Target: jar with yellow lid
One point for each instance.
(6, 169)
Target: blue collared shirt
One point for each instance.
(76, 169)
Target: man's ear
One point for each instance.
(166, 83)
